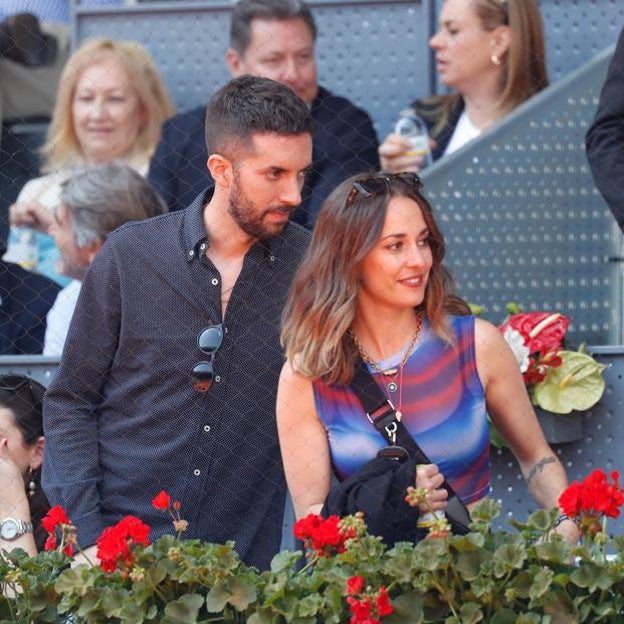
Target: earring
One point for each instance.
(495, 59)
(32, 486)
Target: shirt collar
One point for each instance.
(196, 238)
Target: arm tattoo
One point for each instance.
(539, 466)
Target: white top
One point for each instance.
(59, 317)
(465, 131)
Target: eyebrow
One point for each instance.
(423, 232)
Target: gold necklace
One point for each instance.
(392, 385)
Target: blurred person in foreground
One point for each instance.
(492, 54)
(94, 202)
(274, 39)
(111, 104)
(605, 137)
(22, 501)
(169, 373)
(372, 286)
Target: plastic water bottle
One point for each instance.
(412, 127)
(427, 520)
(26, 251)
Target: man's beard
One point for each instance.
(250, 219)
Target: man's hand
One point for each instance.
(30, 214)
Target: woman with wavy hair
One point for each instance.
(373, 286)
(492, 54)
(110, 105)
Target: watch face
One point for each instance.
(9, 529)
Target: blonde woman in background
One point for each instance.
(111, 104)
(492, 53)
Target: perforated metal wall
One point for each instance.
(522, 219)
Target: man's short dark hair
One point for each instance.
(246, 11)
(250, 105)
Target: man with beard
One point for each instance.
(169, 374)
(274, 39)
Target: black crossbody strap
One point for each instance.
(382, 414)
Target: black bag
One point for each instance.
(379, 488)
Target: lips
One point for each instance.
(414, 281)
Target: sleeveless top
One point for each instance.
(443, 404)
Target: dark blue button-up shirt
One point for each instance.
(121, 419)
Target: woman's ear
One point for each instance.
(36, 455)
(500, 41)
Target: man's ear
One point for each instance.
(234, 62)
(93, 249)
(220, 169)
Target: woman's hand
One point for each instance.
(30, 214)
(568, 530)
(430, 479)
(13, 498)
(395, 157)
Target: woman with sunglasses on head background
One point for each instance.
(492, 54)
(22, 501)
(372, 284)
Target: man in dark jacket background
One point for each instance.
(274, 39)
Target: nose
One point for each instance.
(436, 41)
(98, 109)
(417, 256)
(290, 72)
(291, 192)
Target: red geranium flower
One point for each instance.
(325, 536)
(591, 499)
(114, 543)
(54, 518)
(162, 501)
(355, 585)
(367, 607)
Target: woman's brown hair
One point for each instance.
(322, 301)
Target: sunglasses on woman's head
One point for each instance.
(379, 184)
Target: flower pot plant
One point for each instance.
(522, 576)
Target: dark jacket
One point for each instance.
(344, 143)
(605, 137)
(430, 110)
(25, 300)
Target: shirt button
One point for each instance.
(272, 258)
(207, 428)
(202, 246)
(218, 378)
(214, 281)
(197, 472)
(191, 253)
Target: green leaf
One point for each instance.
(408, 609)
(310, 605)
(577, 384)
(184, 609)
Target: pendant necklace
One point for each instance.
(392, 377)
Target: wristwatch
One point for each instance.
(11, 529)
